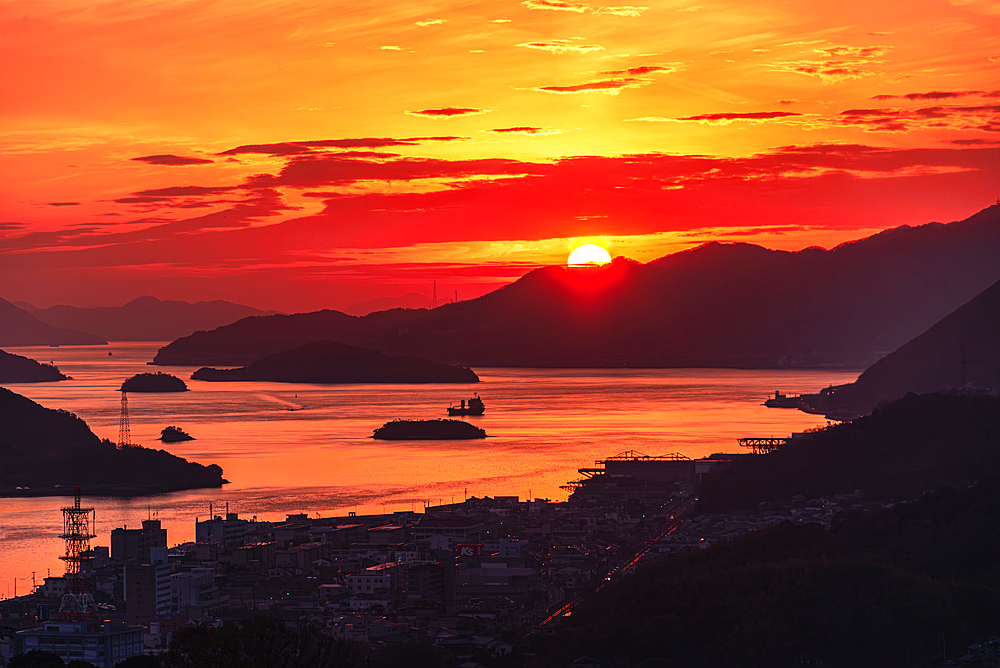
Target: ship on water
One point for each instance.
(474, 406)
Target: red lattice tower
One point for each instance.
(78, 603)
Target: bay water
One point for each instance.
(302, 448)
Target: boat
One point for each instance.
(780, 400)
(474, 406)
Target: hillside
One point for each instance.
(719, 305)
(886, 588)
(42, 448)
(329, 362)
(962, 351)
(903, 448)
(145, 318)
(20, 328)
(18, 369)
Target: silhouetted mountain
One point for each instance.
(917, 443)
(20, 328)
(18, 369)
(41, 448)
(734, 305)
(409, 300)
(329, 362)
(145, 318)
(884, 588)
(933, 361)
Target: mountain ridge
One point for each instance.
(146, 318)
(718, 305)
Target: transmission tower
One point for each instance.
(77, 603)
(124, 436)
(434, 297)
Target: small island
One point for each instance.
(329, 362)
(18, 369)
(173, 434)
(47, 452)
(427, 430)
(154, 382)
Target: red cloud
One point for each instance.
(728, 117)
(172, 160)
(612, 86)
(448, 112)
(523, 129)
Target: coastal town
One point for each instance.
(476, 578)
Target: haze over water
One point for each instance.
(290, 448)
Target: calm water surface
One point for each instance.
(289, 448)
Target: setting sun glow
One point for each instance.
(588, 254)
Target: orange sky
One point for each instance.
(302, 155)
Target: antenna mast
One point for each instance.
(124, 435)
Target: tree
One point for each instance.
(36, 659)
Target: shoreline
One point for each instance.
(101, 490)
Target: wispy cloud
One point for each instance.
(932, 95)
(727, 118)
(524, 130)
(560, 46)
(829, 71)
(430, 22)
(609, 86)
(581, 8)
(448, 112)
(855, 51)
(173, 160)
(665, 68)
(985, 118)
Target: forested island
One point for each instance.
(18, 369)
(428, 430)
(47, 452)
(154, 382)
(331, 362)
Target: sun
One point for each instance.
(588, 254)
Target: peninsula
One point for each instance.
(18, 369)
(46, 452)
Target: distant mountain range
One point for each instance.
(142, 319)
(719, 305)
(20, 328)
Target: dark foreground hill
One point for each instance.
(20, 328)
(145, 318)
(720, 305)
(41, 448)
(18, 369)
(903, 448)
(962, 351)
(904, 586)
(329, 362)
